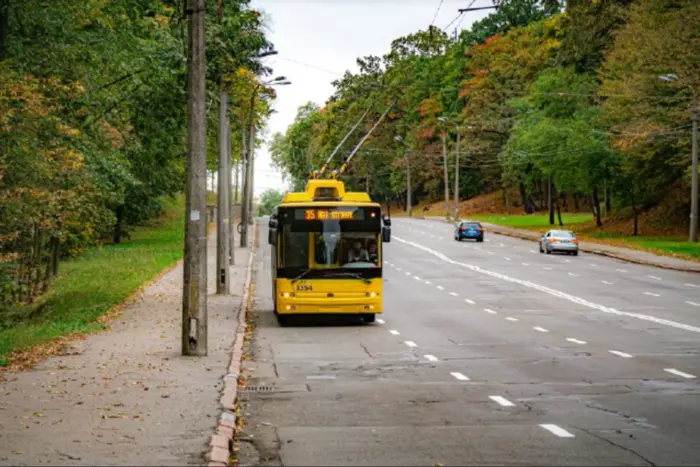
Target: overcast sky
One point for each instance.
(318, 40)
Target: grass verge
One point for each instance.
(97, 281)
(537, 222)
(668, 246)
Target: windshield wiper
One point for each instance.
(301, 275)
(351, 274)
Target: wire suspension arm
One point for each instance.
(345, 138)
(359, 145)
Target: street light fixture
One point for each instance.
(669, 78)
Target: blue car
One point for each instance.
(469, 229)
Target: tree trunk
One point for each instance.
(39, 246)
(608, 195)
(506, 196)
(47, 269)
(118, 229)
(550, 200)
(527, 206)
(576, 205)
(596, 203)
(635, 213)
(561, 224)
(4, 24)
(55, 253)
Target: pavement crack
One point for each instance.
(274, 367)
(364, 347)
(619, 446)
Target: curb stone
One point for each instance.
(221, 443)
(587, 249)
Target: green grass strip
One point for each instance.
(98, 280)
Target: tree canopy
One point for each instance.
(540, 97)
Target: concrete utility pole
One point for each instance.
(694, 189)
(223, 286)
(447, 180)
(231, 217)
(407, 155)
(222, 216)
(247, 201)
(457, 177)
(194, 291)
(247, 174)
(408, 183)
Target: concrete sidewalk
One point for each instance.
(625, 254)
(126, 396)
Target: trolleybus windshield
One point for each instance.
(329, 241)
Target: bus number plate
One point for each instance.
(304, 288)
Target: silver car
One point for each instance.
(559, 240)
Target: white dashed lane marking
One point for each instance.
(654, 277)
(502, 401)
(471, 302)
(459, 376)
(453, 294)
(428, 282)
(431, 358)
(416, 278)
(652, 294)
(556, 430)
(573, 275)
(557, 293)
(408, 273)
(507, 259)
(439, 287)
(487, 310)
(526, 264)
(621, 270)
(410, 343)
(692, 285)
(673, 371)
(381, 321)
(540, 329)
(394, 332)
(620, 354)
(607, 282)
(547, 269)
(510, 318)
(575, 341)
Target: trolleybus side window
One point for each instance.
(295, 248)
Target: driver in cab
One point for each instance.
(357, 253)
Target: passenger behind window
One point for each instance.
(357, 253)
(373, 253)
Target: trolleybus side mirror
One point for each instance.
(272, 236)
(386, 234)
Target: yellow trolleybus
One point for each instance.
(327, 252)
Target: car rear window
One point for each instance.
(471, 224)
(563, 234)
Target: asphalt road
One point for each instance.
(487, 354)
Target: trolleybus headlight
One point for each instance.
(371, 294)
(287, 294)
(291, 308)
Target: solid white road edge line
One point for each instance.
(557, 293)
